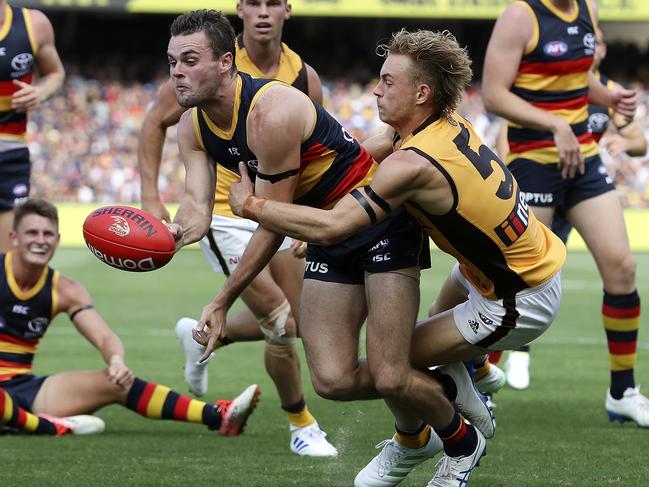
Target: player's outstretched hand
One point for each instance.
(210, 329)
(177, 232)
(239, 192)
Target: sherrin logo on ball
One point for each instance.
(128, 238)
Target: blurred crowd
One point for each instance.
(84, 141)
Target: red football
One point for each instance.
(128, 238)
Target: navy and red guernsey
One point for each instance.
(553, 76)
(17, 50)
(332, 162)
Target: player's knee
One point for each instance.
(280, 349)
(620, 278)
(112, 392)
(333, 385)
(278, 326)
(434, 308)
(390, 382)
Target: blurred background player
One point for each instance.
(275, 291)
(616, 136)
(31, 294)
(27, 43)
(537, 75)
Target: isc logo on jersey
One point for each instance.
(555, 48)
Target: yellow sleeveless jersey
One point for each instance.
(501, 247)
(553, 76)
(291, 71)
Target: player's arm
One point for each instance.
(314, 84)
(76, 301)
(512, 34)
(163, 113)
(192, 221)
(48, 65)
(398, 179)
(620, 99)
(380, 145)
(623, 136)
(276, 127)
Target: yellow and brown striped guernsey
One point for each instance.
(16, 63)
(501, 247)
(332, 162)
(291, 69)
(24, 318)
(553, 76)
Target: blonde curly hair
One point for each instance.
(439, 62)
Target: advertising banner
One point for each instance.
(622, 10)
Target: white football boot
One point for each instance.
(517, 369)
(468, 401)
(195, 373)
(310, 441)
(395, 462)
(82, 424)
(632, 407)
(456, 471)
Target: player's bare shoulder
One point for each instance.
(42, 27)
(72, 294)
(426, 184)
(516, 23)
(281, 110)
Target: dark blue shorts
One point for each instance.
(396, 243)
(15, 170)
(543, 185)
(23, 389)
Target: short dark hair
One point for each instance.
(216, 26)
(35, 206)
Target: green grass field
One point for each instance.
(556, 433)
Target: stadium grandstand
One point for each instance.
(83, 143)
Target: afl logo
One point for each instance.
(555, 48)
(380, 245)
(120, 226)
(22, 62)
(589, 41)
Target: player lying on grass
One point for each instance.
(31, 294)
(505, 289)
